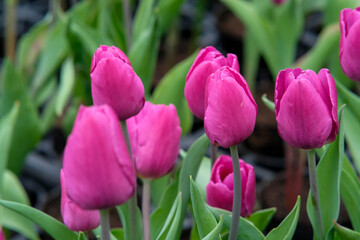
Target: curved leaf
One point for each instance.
(262, 218)
(214, 234)
(346, 233)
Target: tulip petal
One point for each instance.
(219, 195)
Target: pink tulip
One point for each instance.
(207, 62)
(219, 191)
(76, 218)
(278, 2)
(306, 107)
(98, 168)
(350, 42)
(114, 82)
(155, 137)
(2, 236)
(230, 109)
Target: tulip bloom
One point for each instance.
(306, 107)
(349, 42)
(219, 191)
(230, 109)
(155, 137)
(76, 218)
(98, 168)
(207, 62)
(114, 82)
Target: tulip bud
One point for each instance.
(114, 82)
(349, 42)
(306, 107)
(155, 137)
(98, 168)
(207, 62)
(230, 109)
(76, 218)
(219, 191)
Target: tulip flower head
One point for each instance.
(98, 168)
(350, 42)
(76, 218)
(306, 107)
(207, 62)
(155, 137)
(114, 82)
(230, 109)
(220, 189)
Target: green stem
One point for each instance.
(314, 190)
(213, 154)
(236, 209)
(146, 208)
(133, 200)
(105, 224)
(127, 22)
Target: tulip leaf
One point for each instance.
(97, 233)
(287, 227)
(333, 8)
(82, 236)
(13, 89)
(214, 234)
(52, 226)
(328, 177)
(251, 61)
(53, 53)
(350, 193)
(167, 11)
(205, 220)
(171, 90)
(12, 190)
(67, 82)
(46, 92)
(203, 176)
(247, 229)
(345, 233)
(118, 233)
(189, 168)
(143, 17)
(262, 218)
(123, 211)
(269, 104)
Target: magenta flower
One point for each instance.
(2, 236)
(350, 43)
(219, 191)
(306, 107)
(98, 168)
(278, 2)
(207, 62)
(114, 82)
(230, 109)
(76, 218)
(155, 137)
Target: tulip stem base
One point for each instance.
(105, 224)
(236, 209)
(314, 190)
(146, 208)
(133, 200)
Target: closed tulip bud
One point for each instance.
(207, 62)
(76, 218)
(114, 82)
(220, 189)
(155, 137)
(230, 109)
(349, 42)
(98, 168)
(306, 107)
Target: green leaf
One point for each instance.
(171, 90)
(143, 55)
(13, 89)
(52, 226)
(189, 168)
(123, 211)
(175, 225)
(12, 190)
(333, 8)
(269, 104)
(346, 233)
(82, 236)
(246, 230)
(287, 227)
(52, 55)
(214, 234)
(97, 233)
(262, 218)
(167, 11)
(118, 233)
(251, 61)
(205, 220)
(350, 193)
(203, 175)
(143, 17)
(48, 115)
(47, 92)
(328, 176)
(67, 82)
